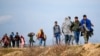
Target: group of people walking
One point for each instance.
(70, 29)
(73, 30)
(19, 41)
(13, 40)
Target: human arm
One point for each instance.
(54, 31)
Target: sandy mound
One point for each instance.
(95, 52)
(89, 46)
(61, 50)
(15, 53)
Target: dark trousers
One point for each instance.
(31, 43)
(44, 42)
(67, 39)
(6, 45)
(17, 43)
(13, 43)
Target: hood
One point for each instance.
(67, 20)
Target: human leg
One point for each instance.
(86, 38)
(40, 43)
(66, 39)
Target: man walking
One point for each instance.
(57, 32)
(86, 26)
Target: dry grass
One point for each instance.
(61, 50)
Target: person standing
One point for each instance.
(12, 41)
(6, 41)
(31, 40)
(66, 30)
(86, 26)
(57, 32)
(17, 39)
(22, 41)
(76, 29)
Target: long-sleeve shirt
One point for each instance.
(87, 22)
(66, 28)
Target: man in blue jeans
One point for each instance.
(57, 32)
(76, 29)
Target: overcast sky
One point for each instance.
(26, 16)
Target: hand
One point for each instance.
(92, 25)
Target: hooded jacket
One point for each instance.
(66, 27)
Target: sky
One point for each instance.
(26, 16)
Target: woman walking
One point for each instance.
(41, 37)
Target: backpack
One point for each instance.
(45, 37)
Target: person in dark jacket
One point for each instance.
(12, 41)
(31, 38)
(76, 29)
(17, 39)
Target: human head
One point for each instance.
(76, 18)
(16, 33)
(41, 30)
(56, 23)
(12, 33)
(84, 17)
(21, 36)
(69, 17)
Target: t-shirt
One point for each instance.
(56, 29)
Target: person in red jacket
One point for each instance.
(42, 37)
(5, 40)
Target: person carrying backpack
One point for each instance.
(86, 28)
(57, 32)
(66, 30)
(31, 40)
(41, 37)
(76, 29)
